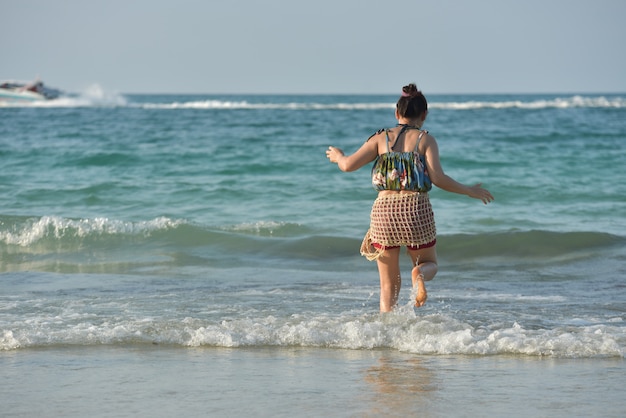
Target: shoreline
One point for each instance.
(165, 381)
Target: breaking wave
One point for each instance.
(434, 334)
(102, 245)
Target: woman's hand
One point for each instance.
(333, 154)
(478, 192)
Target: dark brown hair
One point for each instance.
(412, 103)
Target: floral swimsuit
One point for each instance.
(401, 170)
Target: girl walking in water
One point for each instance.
(406, 165)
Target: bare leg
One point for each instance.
(424, 269)
(390, 280)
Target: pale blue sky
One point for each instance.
(317, 46)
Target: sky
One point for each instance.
(318, 46)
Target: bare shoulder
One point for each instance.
(376, 136)
(376, 141)
(426, 142)
(428, 137)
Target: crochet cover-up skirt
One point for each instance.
(399, 219)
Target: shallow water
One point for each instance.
(166, 381)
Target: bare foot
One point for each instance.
(418, 281)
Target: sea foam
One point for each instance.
(431, 334)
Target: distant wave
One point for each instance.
(95, 96)
(561, 103)
(221, 104)
(558, 103)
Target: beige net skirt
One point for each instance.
(399, 219)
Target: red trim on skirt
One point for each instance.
(409, 247)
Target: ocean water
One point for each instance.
(204, 232)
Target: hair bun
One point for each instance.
(412, 103)
(410, 90)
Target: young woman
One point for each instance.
(406, 165)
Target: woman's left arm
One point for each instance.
(445, 182)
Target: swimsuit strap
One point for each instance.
(404, 128)
(419, 139)
(387, 138)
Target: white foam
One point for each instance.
(560, 103)
(434, 334)
(502, 297)
(263, 228)
(9, 342)
(225, 104)
(36, 229)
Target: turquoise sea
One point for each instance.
(198, 255)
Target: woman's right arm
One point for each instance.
(367, 153)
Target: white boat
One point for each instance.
(18, 91)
